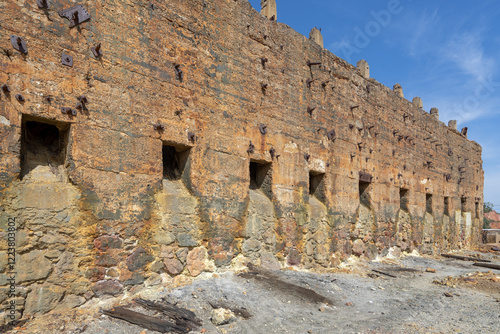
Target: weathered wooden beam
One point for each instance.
(181, 316)
(464, 258)
(384, 273)
(487, 265)
(145, 321)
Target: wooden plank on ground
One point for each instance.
(464, 258)
(488, 265)
(145, 321)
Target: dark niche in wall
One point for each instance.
(428, 203)
(364, 193)
(174, 161)
(261, 177)
(403, 199)
(446, 206)
(317, 185)
(43, 143)
(464, 204)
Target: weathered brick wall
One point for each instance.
(110, 221)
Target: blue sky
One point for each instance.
(446, 52)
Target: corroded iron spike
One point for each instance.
(310, 63)
(43, 4)
(272, 152)
(83, 99)
(251, 147)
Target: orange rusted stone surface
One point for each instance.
(102, 194)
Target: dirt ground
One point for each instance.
(401, 296)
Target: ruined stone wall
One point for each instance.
(208, 133)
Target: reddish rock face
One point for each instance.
(216, 132)
(107, 287)
(105, 242)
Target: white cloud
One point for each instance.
(467, 52)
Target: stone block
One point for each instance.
(173, 266)
(316, 36)
(417, 102)
(196, 261)
(358, 247)
(435, 112)
(33, 266)
(138, 259)
(42, 299)
(452, 124)
(269, 261)
(70, 302)
(186, 240)
(251, 246)
(398, 90)
(182, 254)
(105, 242)
(268, 9)
(107, 287)
(364, 68)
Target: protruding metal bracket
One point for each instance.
(96, 50)
(365, 177)
(331, 134)
(67, 60)
(263, 129)
(19, 44)
(43, 4)
(68, 111)
(76, 15)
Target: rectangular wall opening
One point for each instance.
(428, 203)
(463, 205)
(364, 193)
(174, 161)
(261, 177)
(477, 210)
(317, 185)
(446, 206)
(43, 143)
(404, 195)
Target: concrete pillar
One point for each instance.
(417, 102)
(398, 90)
(452, 124)
(364, 69)
(315, 35)
(435, 112)
(268, 9)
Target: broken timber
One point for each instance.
(384, 273)
(181, 316)
(145, 321)
(464, 258)
(488, 265)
